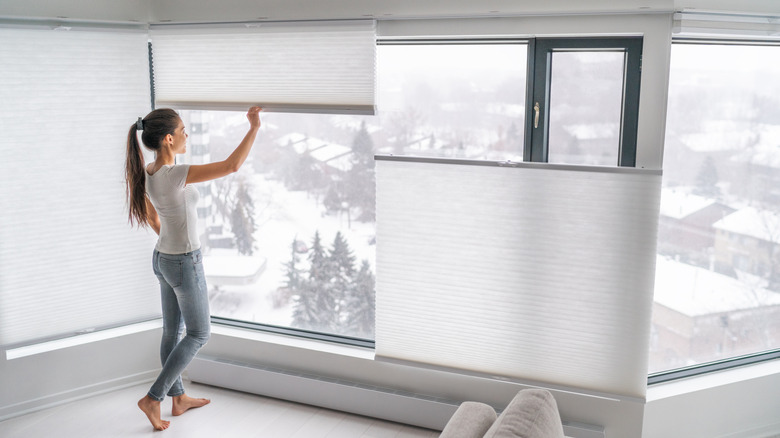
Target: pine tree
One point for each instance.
(332, 201)
(318, 268)
(315, 306)
(707, 179)
(361, 181)
(342, 261)
(363, 148)
(293, 272)
(242, 220)
(361, 303)
(341, 269)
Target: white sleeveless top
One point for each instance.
(176, 205)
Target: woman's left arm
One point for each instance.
(151, 217)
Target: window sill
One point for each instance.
(712, 380)
(59, 344)
(293, 341)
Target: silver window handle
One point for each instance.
(536, 115)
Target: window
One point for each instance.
(289, 241)
(585, 101)
(717, 292)
(453, 99)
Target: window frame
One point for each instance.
(629, 123)
(534, 45)
(666, 376)
(539, 83)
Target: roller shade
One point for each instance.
(536, 272)
(726, 25)
(323, 67)
(69, 261)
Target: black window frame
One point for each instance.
(539, 76)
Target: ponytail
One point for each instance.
(155, 126)
(136, 180)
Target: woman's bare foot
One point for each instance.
(183, 403)
(151, 408)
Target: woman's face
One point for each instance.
(180, 139)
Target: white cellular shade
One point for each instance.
(724, 25)
(295, 67)
(69, 261)
(543, 273)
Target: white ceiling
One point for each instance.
(249, 10)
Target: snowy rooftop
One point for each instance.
(679, 203)
(697, 292)
(329, 152)
(749, 221)
(334, 155)
(766, 152)
(232, 269)
(724, 135)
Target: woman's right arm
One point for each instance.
(207, 172)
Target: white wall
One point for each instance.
(88, 10)
(37, 381)
(740, 402)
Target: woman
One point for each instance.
(161, 195)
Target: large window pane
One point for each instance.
(586, 98)
(453, 100)
(717, 292)
(289, 239)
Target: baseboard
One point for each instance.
(371, 401)
(769, 430)
(49, 401)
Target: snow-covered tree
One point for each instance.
(361, 303)
(333, 198)
(341, 269)
(315, 305)
(292, 270)
(242, 219)
(360, 180)
(707, 179)
(334, 296)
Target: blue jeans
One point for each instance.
(185, 303)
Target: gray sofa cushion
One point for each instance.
(472, 419)
(533, 413)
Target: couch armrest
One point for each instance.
(532, 413)
(471, 420)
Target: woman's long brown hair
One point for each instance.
(155, 126)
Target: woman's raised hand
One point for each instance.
(253, 115)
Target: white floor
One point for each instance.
(230, 414)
